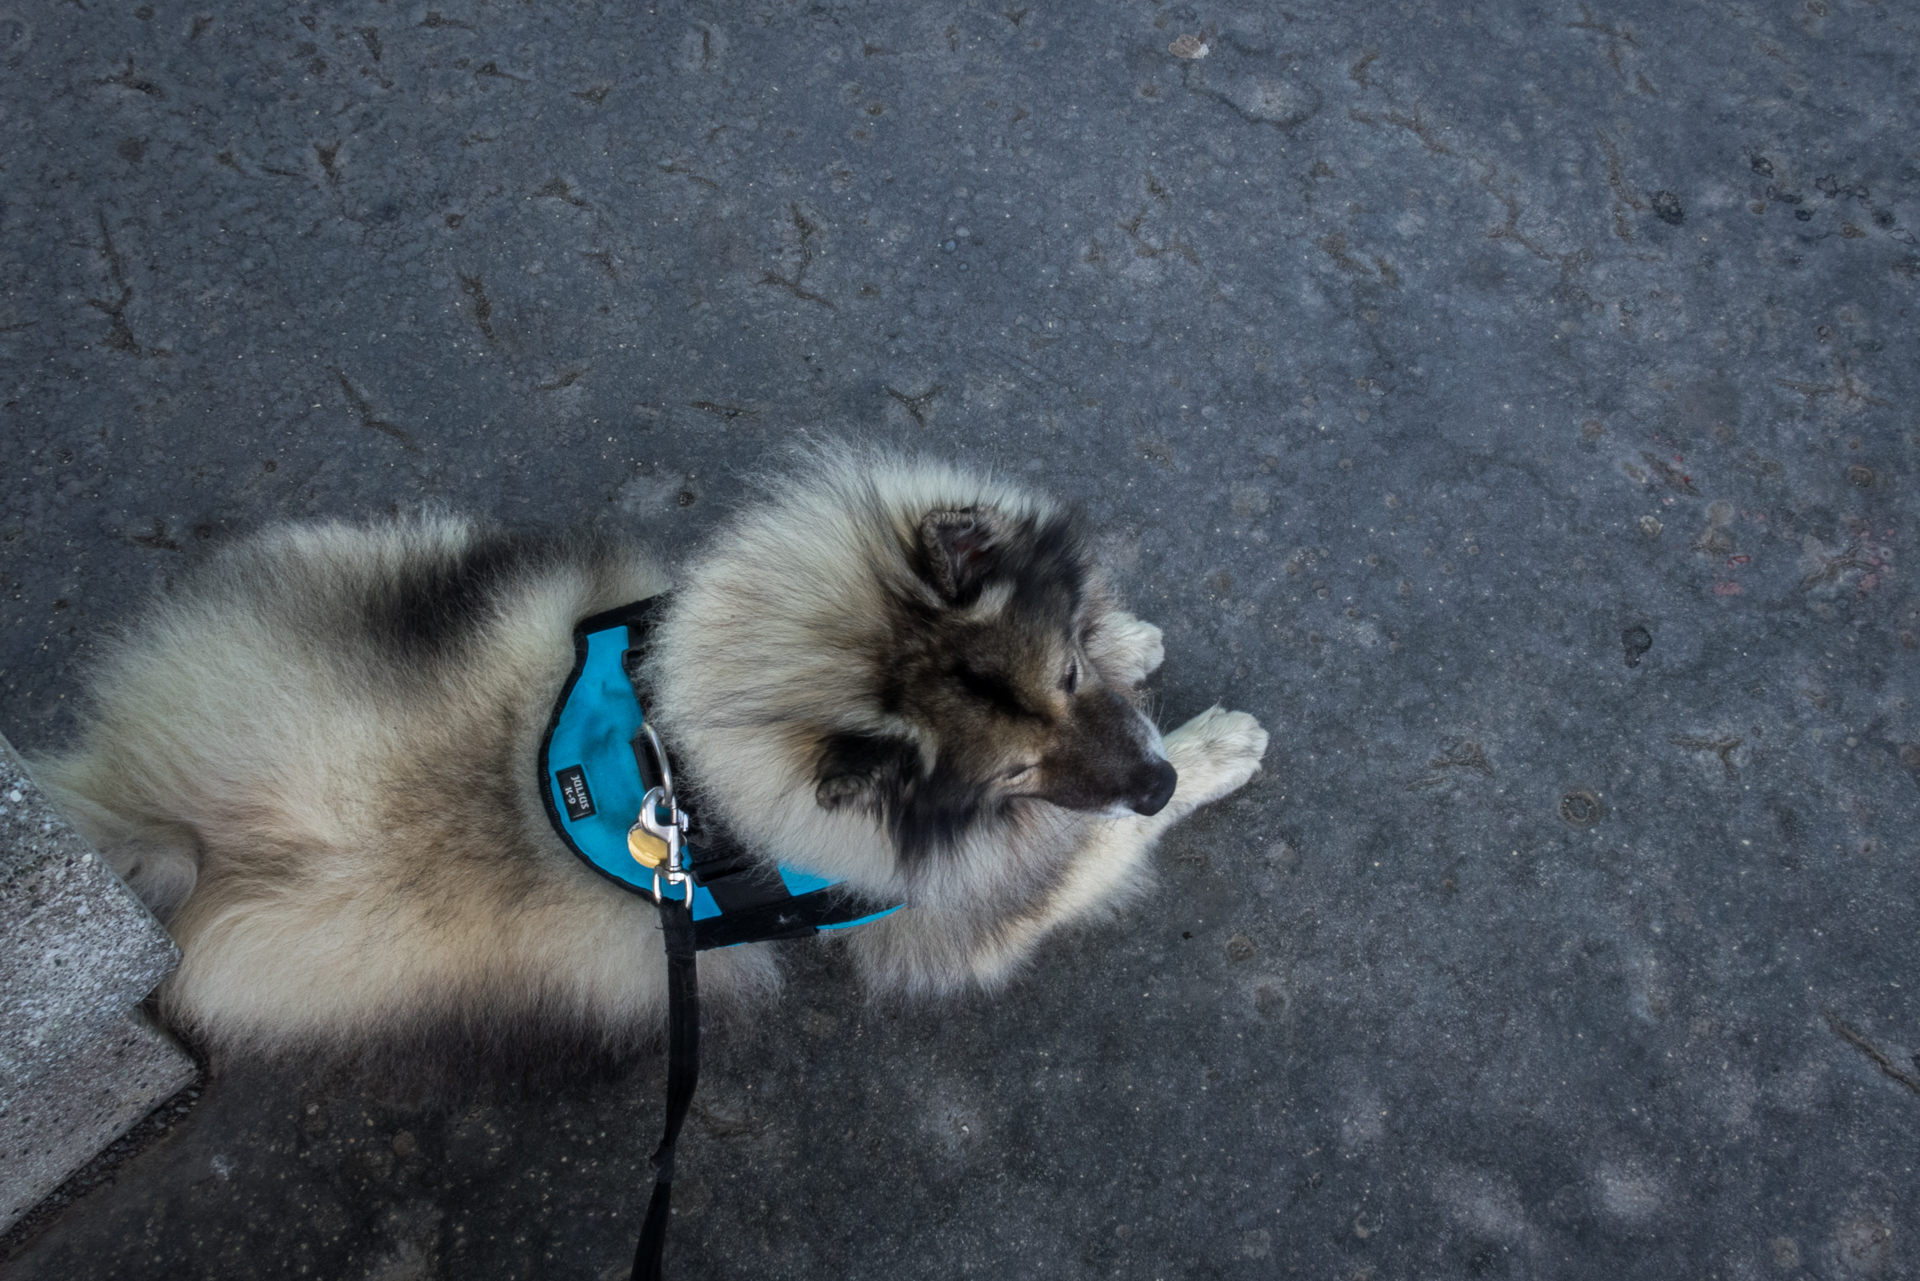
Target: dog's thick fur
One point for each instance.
(316, 759)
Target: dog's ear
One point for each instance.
(864, 771)
(957, 551)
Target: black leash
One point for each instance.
(683, 1074)
(757, 919)
(743, 898)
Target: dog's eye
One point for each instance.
(1072, 682)
(1018, 771)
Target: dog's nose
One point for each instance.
(1153, 786)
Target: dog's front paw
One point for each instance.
(1215, 753)
(1132, 647)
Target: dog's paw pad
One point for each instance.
(1215, 753)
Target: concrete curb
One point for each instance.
(78, 1064)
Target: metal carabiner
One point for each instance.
(659, 754)
(660, 843)
(655, 842)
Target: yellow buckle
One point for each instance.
(648, 850)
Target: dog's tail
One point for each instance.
(159, 861)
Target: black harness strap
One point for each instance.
(735, 878)
(683, 1074)
(786, 918)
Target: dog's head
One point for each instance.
(994, 688)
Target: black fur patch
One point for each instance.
(964, 551)
(432, 609)
(995, 691)
(881, 775)
(1049, 570)
(934, 812)
(863, 771)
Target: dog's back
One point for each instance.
(313, 761)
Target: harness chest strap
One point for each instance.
(601, 767)
(595, 772)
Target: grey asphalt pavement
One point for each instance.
(1511, 404)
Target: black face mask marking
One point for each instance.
(993, 677)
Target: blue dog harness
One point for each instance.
(609, 794)
(598, 763)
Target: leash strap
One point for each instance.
(685, 939)
(609, 767)
(683, 1074)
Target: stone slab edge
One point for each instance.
(78, 1065)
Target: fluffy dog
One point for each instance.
(316, 760)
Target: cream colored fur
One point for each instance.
(794, 595)
(347, 837)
